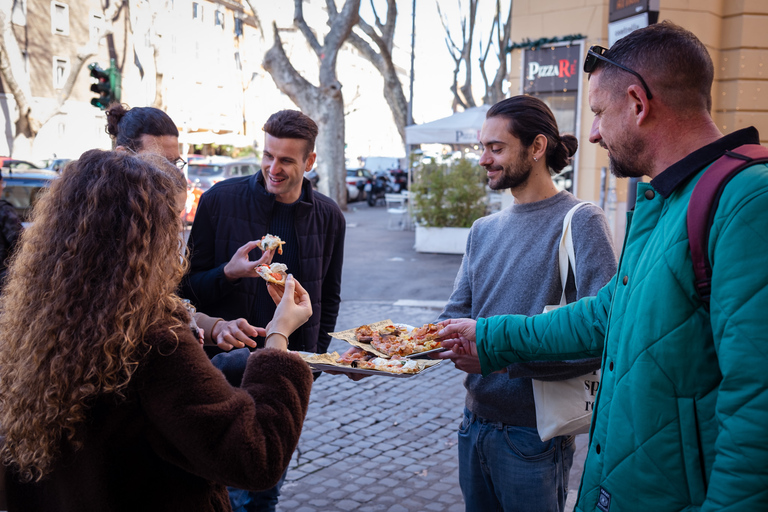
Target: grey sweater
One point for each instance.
(510, 267)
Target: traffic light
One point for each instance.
(107, 85)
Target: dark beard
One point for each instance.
(631, 165)
(514, 175)
(620, 170)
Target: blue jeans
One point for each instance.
(250, 501)
(506, 468)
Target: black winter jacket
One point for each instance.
(238, 210)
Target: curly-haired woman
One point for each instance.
(142, 130)
(107, 401)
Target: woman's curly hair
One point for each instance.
(98, 267)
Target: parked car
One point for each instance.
(356, 180)
(13, 164)
(22, 187)
(203, 174)
(57, 164)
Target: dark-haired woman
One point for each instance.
(142, 130)
(107, 401)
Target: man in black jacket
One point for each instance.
(233, 216)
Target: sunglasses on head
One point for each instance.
(595, 53)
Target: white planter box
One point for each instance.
(441, 240)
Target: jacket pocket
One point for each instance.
(690, 442)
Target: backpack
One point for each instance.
(703, 204)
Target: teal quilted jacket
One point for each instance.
(681, 419)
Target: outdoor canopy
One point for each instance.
(460, 128)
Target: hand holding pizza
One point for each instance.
(240, 265)
(294, 309)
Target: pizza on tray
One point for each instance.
(366, 362)
(395, 340)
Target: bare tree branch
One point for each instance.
(298, 20)
(285, 76)
(497, 86)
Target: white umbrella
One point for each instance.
(460, 128)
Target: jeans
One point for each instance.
(507, 468)
(251, 501)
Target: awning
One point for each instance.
(460, 128)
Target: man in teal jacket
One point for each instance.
(681, 418)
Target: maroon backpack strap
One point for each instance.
(703, 204)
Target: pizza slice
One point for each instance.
(274, 273)
(424, 338)
(269, 242)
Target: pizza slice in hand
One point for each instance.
(269, 242)
(274, 273)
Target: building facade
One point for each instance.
(733, 31)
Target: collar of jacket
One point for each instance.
(679, 172)
(306, 199)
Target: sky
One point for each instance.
(433, 66)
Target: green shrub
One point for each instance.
(449, 196)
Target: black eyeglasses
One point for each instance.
(180, 163)
(595, 53)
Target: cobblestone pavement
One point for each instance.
(385, 443)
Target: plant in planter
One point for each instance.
(449, 197)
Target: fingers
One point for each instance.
(276, 292)
(237, 334)
(266, 258)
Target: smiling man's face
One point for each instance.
(283, 164)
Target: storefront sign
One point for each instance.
(621, 28)
(620, 9)
(552, 69)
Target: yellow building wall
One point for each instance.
(734, 31)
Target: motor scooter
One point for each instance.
(378, 186)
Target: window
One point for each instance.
(238, 62)
(95, 26)
(238, 27)
(60, 71)
(218, 19)
(197, 11)
(60, 18)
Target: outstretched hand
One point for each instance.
(458, 335)
(240, 265)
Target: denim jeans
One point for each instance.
(507, 468)
(250, 501)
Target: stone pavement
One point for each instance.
(385, 443)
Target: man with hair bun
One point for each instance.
(511, 266)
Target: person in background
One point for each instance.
(107, 401)
(511, 266)
(231, 219)
(679, 421)
(150, 130)
(10, 231)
